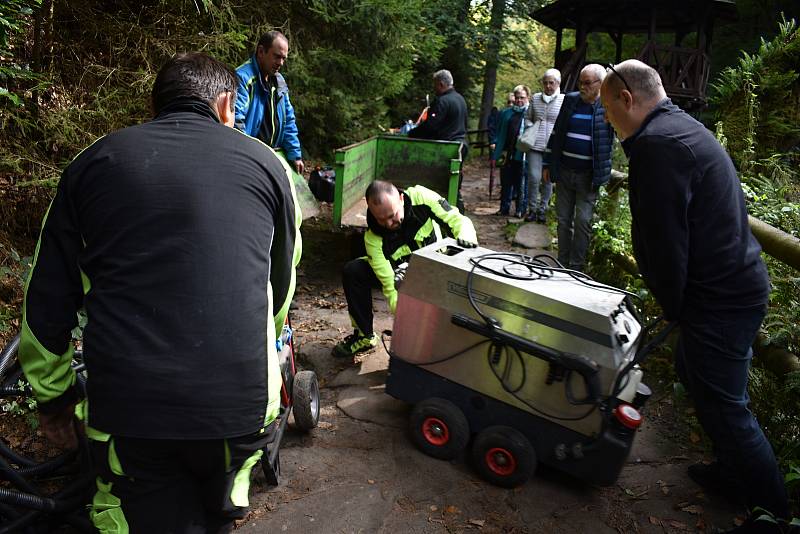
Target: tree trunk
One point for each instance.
(454, 58)
(492, 60)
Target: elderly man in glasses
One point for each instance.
(578, 160)
(695, 251)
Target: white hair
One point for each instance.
(597, 70)
(552, 73)
(444, 77)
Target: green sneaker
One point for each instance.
(355, 343)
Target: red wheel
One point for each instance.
(500, 461)
(439, 428)
(503, 456)
(435, 431)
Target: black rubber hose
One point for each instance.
(9, 473)
(48, 466)
(8, 355)
(15, 457)
(29, 500)
(8, 512)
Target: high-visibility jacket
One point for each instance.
(427, 218)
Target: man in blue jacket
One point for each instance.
(578, 159)
(693, 244)
(263, 108)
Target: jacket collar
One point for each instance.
(190, 105)
(277, 79)
(664, 106)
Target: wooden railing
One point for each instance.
(684, 71)
(478, 140)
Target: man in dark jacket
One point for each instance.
(178, 239)
(399, 222)
(696, 253)
(446, 119)
(578, 160)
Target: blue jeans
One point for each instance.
(712, 360)
(575, 200)
(511, 186)
(534, 163)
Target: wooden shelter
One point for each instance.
(684, 68)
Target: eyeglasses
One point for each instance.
(584, 83)
(612, 69)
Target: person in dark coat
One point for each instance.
(178, 237)
(695, 251)
(446, 120)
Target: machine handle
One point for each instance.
(584, 366)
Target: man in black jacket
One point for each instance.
(446, 120)
(178, 239)
(696, 253)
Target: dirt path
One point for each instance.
(359, 472)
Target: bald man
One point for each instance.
(696, 253)
(400, 222)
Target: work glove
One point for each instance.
(466, 244)
(400, 273)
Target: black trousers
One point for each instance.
(171, 486)
(359, 280)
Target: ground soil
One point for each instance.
(359, 472)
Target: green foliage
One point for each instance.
(15, 17)
(758, 100)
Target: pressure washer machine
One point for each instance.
(521, 358)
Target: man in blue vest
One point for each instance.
(263, 108)
(578, 160)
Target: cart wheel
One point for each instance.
(439, 428)
(503, 456)
(305, 400)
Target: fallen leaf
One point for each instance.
(695, 509)
(477, 522)
(678, 525)
(738, 521)
(433, 508)
(654, 520)
(370, 481)
(694, 437)
(452, 510)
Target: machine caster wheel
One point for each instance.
(439, 428)
(503, 456)
(305, 400)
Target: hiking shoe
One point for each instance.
(353, 344)
(714, 478)
(542, 218)
(531, 217)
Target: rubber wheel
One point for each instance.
(305, 400)
(439, 428)
(503, 456)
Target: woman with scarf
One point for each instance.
(541, 114)
(510, 160)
